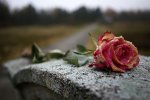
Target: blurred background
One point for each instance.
(46, 22)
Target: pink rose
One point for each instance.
(115, 53)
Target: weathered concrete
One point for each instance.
(83, 83)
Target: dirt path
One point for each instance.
(70, 42)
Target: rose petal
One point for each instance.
(108, 54)
(122, 54)
(105, 37)
(135, 58)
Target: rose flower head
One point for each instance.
(115, 53)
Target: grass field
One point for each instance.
(14, 40)
(136, 32)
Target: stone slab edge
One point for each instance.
(84, 83)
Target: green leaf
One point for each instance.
(37, 54)
(83, 62)
(75, 59)
(55, 54)
(71, 58)
(38, 60)
(81, 48)
(84, 53)
(35, 49)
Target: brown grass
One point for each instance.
(136, 32)
(14, 40)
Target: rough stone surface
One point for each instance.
(84, 83)
(37, 92)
